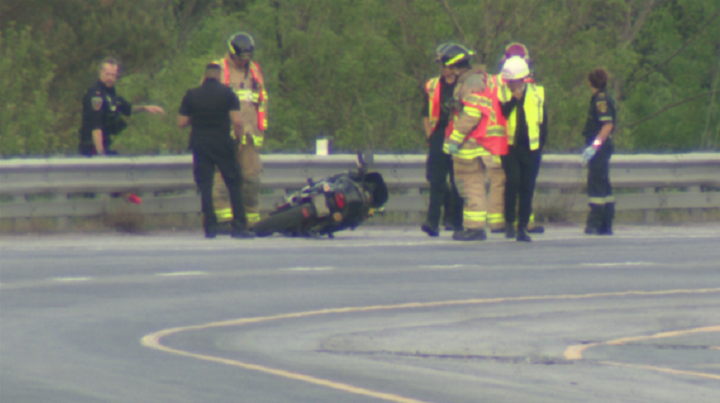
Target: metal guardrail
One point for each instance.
(70, 187)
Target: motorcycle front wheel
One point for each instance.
(286, 220)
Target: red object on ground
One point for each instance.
(133, 198)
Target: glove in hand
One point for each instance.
(588, 154)
(453, 148)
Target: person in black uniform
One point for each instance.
(598, 139)
(102, 110)
(210, 109)
(439, 164)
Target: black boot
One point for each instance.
(430, 229)
(224, 228)
(522, 236)
(509, 230)
(470, 235)
(210, 227)
(594, 220)
(607, 219)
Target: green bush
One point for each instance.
(354, 70)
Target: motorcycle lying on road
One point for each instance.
(333, 204)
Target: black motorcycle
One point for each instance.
(322, 208)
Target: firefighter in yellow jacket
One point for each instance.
(474, 138)
(244, 77)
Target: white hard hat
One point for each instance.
(515, 68)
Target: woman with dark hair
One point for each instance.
(598, 139)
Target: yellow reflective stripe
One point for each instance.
(602, 200)
(224, 214)
(454, 59)
(485, 101)
(431, 88)
(457, 137)
(472, 112)
(496, 131)
(480, 216)
(257, 140)
(495, 218)
(252, 218)
(243, 94)
(472, 153)
(532, 218)
(496, 159)
(472, 99)
(605, 119)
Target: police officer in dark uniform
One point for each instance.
(210, 109)
(598, 139)
(102, 110)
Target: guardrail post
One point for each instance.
(650, 215)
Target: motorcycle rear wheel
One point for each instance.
(283, 221)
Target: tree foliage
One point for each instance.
(354, 70)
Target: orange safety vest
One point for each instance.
(433, 90)
(257, 76)
(489, 133)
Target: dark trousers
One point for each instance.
(602, 201)
(221, 152)
(521, 169)
(439, 166)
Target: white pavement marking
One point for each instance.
(183, 273)
(309, 268)
(616, 264)
(70, 279)
(441, 266)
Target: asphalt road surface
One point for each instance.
(378, 314)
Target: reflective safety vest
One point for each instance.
(433, 90)
(488, 134)
(497, 85)
(259, 98)
(533, 105)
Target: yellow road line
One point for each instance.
(575, 352)
(153, 340)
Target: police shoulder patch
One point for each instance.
(96, 103)
(601, 106)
